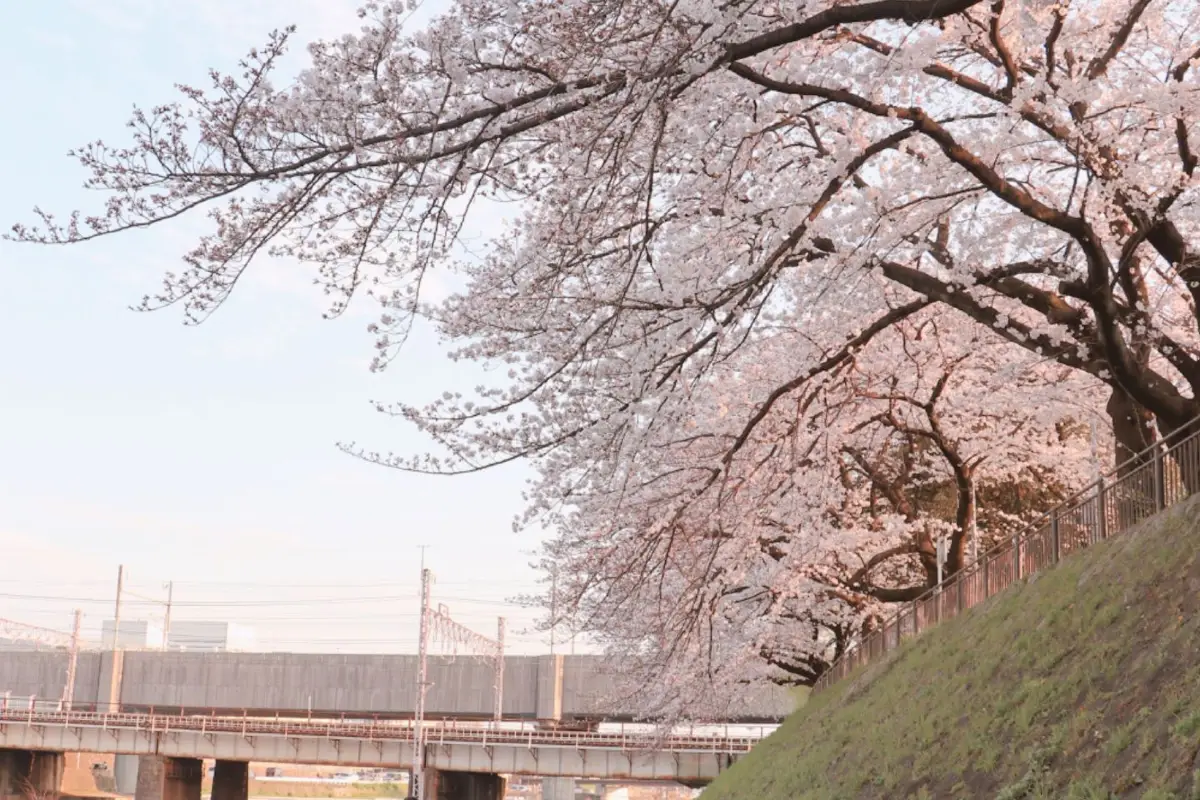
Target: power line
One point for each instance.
(299, 601)
(254, 584)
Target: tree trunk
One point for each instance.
(1133, 430)
(1133, 433)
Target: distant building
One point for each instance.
(209, 637)
(135, 634)
(195, 636)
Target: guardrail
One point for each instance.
(1151, 481)
(14, 711)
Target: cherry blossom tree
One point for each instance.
(764, 571)
(743, 194)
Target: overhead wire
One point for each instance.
(357, 627)
(260, 602)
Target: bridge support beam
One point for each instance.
(231, 781)
(549, 688)
(125, 773)
(28, 772)
(165, 778)
(112, 674)
(446, 785)
(558, 789)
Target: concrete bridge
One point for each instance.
(552, 689)
(463, 761)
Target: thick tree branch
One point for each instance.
(858, 581)
(1100, 64)
(1011, 71)
(910, 11)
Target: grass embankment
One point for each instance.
(1081, 683)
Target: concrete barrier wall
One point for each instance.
(44, 674)
(325, 683)
(535, 687)
(587, 688)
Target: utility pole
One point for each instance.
(417, 784)
(499, 714)
(418, 772)
(72, 662)
(553, 604)
(167, 615)
(117, 612)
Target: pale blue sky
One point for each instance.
(203, 455)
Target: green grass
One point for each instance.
(1082, 683)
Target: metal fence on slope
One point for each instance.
(1151, 481)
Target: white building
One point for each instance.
(135, 634)
(195, 636)
(209, 637)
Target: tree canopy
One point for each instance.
(784, 272)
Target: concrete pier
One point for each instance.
(231, 781)
(165, 778)
(29, 772)
(125, 773)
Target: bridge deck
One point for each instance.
(436, 733)
(449, 745)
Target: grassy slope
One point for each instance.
(1082, 683)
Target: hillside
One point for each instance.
(1082, 683)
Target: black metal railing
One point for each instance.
(1151, 481)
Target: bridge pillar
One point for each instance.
(166, 778)
(125, 773)
(446, 785)
(231, 781)
(26, 772)
(558, 789)
(549, 697)
(108, 689)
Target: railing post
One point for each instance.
(1160, 485)
(1055, 541)
(916, 617)
(1016, 558)
(961, 592)
(1101, 511)
(987, 584)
